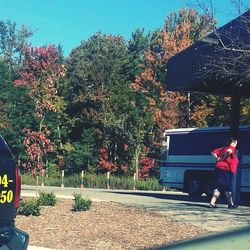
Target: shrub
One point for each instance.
(53, 171)
(29, 207)
(46, 199)
(81, 203)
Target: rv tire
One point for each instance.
(194, 187)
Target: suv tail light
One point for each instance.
(18, 188)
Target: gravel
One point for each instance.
(107, 225)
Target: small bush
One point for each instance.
(53, 171)
(46, 199)
(81, 203)
(29, 207)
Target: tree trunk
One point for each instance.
(137, 155)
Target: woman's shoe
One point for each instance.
(232, 206)
(212, 206)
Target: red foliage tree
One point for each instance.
(37, 145)
(40, 71)
(104, 161)
(146, 163)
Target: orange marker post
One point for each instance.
(82, 175)
(134, 182)
(108, 175)
(42, 183)
(62, 184)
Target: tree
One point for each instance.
(17, 113)
(168, 108)
(12, 42)
(137, 45)
(80, 155)
(98, 72)
(37, 146)
(16, 106)
(40, 72)
(130, 126)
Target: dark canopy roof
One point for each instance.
(201, 67)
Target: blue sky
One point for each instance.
(68, 22)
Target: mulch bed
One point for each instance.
(106, 225)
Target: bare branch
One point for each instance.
(238, 4)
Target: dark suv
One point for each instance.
(11, 238)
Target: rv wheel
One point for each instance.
(194, 188)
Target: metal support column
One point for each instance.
(235, 116)
(234, 127)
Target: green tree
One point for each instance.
(17, 112)
(17, 109)
(137, 45)
(80, 155)
(12, 42)
(97, 68)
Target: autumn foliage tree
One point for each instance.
(168, 109)
(146, 163)
(37, 145)
(40, 71)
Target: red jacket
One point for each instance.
(228, 164)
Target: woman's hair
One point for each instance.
(230, 140)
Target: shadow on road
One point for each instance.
(235, 239)
(245, 198)
(167, 196)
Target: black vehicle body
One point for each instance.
(10, 186)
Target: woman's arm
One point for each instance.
(215, 156)
(228, 152)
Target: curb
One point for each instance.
(38, 248)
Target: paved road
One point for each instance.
(175, 204)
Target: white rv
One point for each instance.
(186, 161)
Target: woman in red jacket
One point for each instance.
(225, 168)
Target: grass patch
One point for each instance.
(97, 181)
